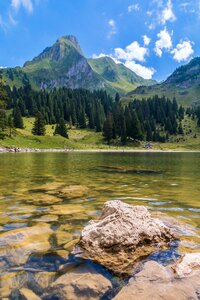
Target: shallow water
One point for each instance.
(30, 185)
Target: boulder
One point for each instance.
(122, 235)
(82, 283)
(157, 282)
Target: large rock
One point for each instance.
(82, 283)
(123, 234)
(161, 283)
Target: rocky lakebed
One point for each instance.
(126, 253)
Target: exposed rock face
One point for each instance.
(160, 283)
(81, 283)
(123, 234)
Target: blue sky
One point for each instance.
(150, 37)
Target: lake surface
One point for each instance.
(61, 192)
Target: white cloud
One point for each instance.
(128, 56)
(167, 14)
(133, 7)
(27, 4)
(149, 13)
(164, 42)
(132, 52)
(113, 28)
(107, 55)
(140, 70)
(146, 40)
(182, 51)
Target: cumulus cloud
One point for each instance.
(133, 7)
(167, 13)
(113, 28)
(27, 4)
(183, 51)
(140, 70)
(164, 42)
(132, 52)
(106, 55)
(128, 56)
(146, 40)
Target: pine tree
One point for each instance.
(180, 129)
(39, 125)
(10, 125)
(61, 129)
(117, 97)
(3, 120)
(17, 118)
(108, 128)
(123, 133)
(136, 132)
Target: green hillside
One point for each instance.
(184, 84)
(117, 75)
(63, 64)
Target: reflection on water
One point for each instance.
(47, 198)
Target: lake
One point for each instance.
(58, 193)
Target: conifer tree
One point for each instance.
(108, 128)
(61, 129)
(10, 125)
(39, 125)
(17, 118)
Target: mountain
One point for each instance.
(117, 75)
(183, 83)
(63, 64)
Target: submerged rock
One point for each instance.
(157, 282)
(79, 284)
(24, 294)
(73, 191)
(18, 244)
(123, 235)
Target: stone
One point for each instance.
(66, 209)
(18, 244)
(39, 281)
(123, 235)
(83, 283)
(62, 237)
(157, 282)
(188, 265)
(24, 294)
(47, 218)
(73, 191)
(12, 280)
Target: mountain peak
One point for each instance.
(73, 40)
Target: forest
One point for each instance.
(153, 119)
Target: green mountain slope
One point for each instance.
(117, 75)
(63, 64)
(183, 83)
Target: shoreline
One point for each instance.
(54, 150)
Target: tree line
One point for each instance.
(154, 119)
